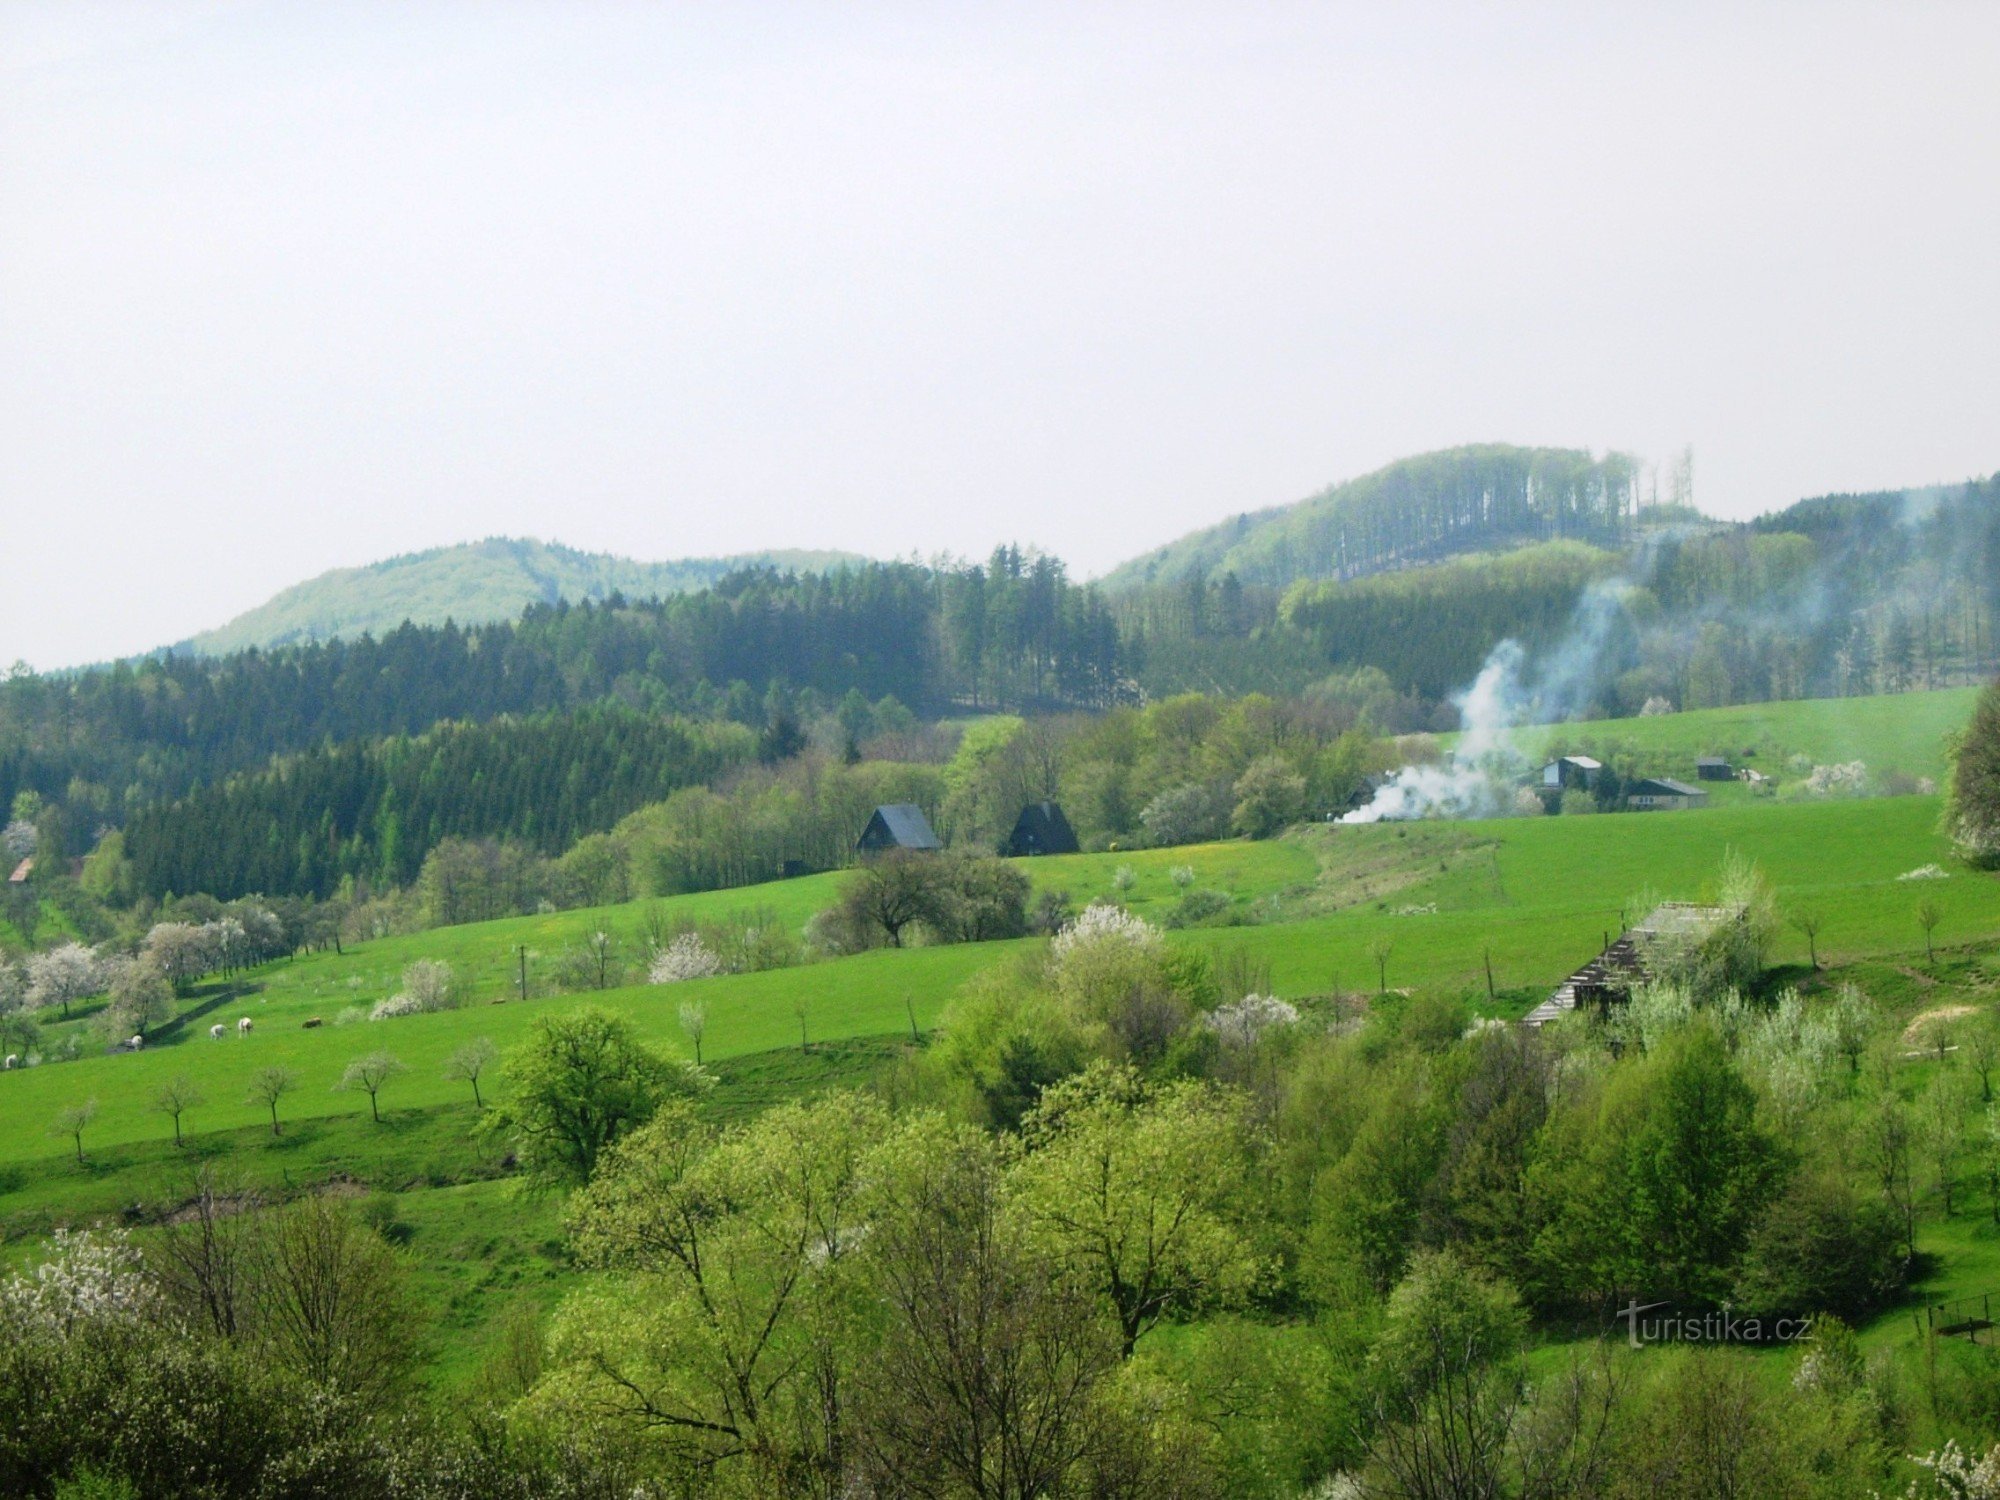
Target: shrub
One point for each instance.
(686, 957)
(1822, 1247)
(1197, 907)
(1188, 814)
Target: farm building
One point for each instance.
(1663, 794)
(1713, 768)
(1610, 978)
(1041, 829)
(1572, 772)
(897, 825)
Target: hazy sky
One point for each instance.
(291, 286)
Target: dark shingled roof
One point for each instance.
(1665, 785)
(898, 825)
(1042, 829)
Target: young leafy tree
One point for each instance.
(1808, 922)
(1929, 914)
(579, 1083)
(332, 1306)
(176, 1097)
(1941, 1133)
(694, 1025)
(72, 1120)
(471, 1060)
(728, 1333)
(267, 1086)
(988, 1375)
(369, 1075)
(1135, 1190)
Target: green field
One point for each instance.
(1889, 732)
(1536, 895)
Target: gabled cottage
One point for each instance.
(897, 825)
(1041, 829)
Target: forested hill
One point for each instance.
(1013, 632)
(1415, 510)
(476, 583)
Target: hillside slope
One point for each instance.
(1421, 508)
(474, 583)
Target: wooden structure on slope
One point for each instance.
(1610, 978)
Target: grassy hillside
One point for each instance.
(1535, 895)
(473, 583)
(1896, 731)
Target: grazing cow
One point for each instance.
(218, 1031)
(243, 1025)
(13, 1061)
(311, 1022)
(136, 1043)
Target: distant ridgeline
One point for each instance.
(1845, 594)
(476, 583)
(1415, 510)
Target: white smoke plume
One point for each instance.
(1484, 770)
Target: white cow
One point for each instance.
(243, 1025)
(13, 1061)
(136, 1043)
(218, 1031)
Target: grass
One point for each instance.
(1536, 895)
(1890, 732)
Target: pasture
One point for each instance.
(1535, 896)
(1889, 732)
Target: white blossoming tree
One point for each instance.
(62, 976)
(686, 957)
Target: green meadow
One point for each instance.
(1889, 732)
(1534, 897)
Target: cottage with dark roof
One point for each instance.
(897, 825)
(1663, 794)
(1041, 829)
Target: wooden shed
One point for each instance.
(1713, 768)
(1572, 773)
(1041, 829)
(1663, 794)
(897, 825)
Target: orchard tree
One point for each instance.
(72, 1120)
(140, 997)
(62, 976)
(469, 1061)
(267, 1087)
(370, 1075)
(176, 1097)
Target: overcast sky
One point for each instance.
(291, 286)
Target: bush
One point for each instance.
(1270, 796)
(1822, 1248)
(1188, 814)
(1197, 907)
